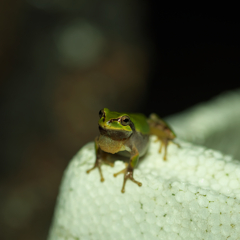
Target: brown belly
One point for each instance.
(111, 146)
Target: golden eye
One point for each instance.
(101, 113)
(125, 120)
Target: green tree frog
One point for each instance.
(128, 133)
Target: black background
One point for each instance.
(199, 56)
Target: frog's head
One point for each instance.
(115, 125)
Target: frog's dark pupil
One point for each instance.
(126, 120)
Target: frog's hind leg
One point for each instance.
(165, 142)
(161, 144)
(162, 131)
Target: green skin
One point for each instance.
(128, 133)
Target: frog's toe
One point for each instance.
(120, 172)
(89, 170)
(97, 165)
(129, 175)
(132, 179)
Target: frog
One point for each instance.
(128, 134)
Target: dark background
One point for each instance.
(62, 61)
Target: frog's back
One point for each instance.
(140, 122)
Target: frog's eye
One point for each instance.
(101, 113)
(125, 120)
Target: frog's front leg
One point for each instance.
(100, 159)
(128, 171)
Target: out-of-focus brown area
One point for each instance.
(11, 16)
(61, 62)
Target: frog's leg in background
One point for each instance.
(128, 171)
(165, 142)
(100, 159)
(162, 130)
(161, 144)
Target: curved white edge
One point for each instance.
(195, 194)
(218, 116)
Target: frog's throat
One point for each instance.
(107, 144)
(117, 135)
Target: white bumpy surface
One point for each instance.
(195, 194)
(214, 124)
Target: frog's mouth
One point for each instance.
(114, 134)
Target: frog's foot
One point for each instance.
(164, 143)
(128, 174)
(97, 164)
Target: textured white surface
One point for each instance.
(193, 195)
(214, 124)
